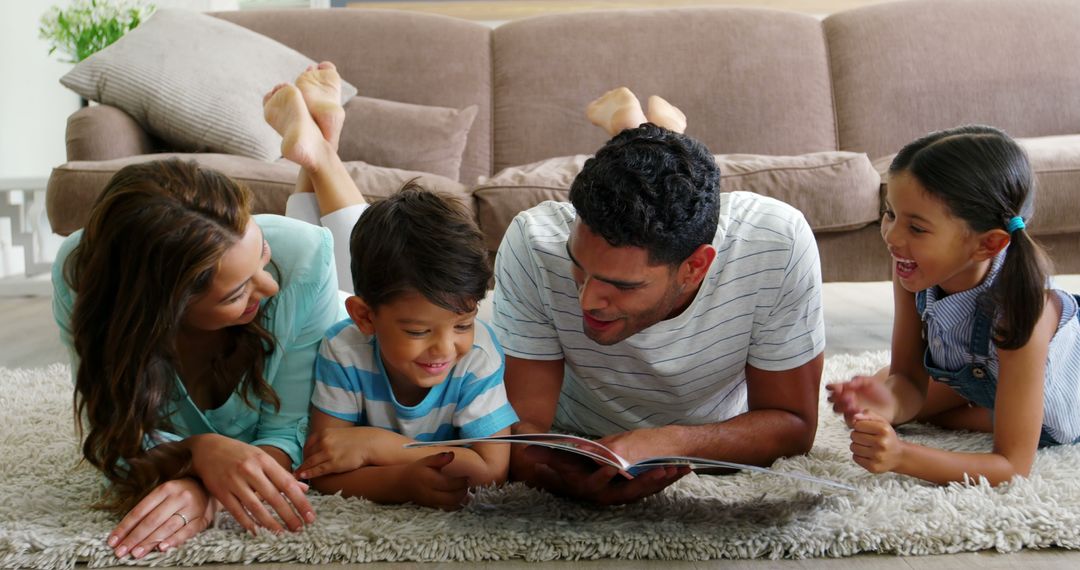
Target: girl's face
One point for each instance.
(929, 246)
(240, 284)
(419, 341)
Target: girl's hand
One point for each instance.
(166, 518)
(243, 476)
(429, 486)
(874, 444)
(334, 450)
(862, 393)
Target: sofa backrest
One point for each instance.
(903, 69)
(400, 56)
(749, 80)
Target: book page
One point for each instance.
(570, 443)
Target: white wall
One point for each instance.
(33, 105)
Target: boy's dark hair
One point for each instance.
(652, 188)
(985, 179)
(421, 241)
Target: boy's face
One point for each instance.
(419, 341)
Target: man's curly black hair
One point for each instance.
(651, 188)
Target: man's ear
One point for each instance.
(361, 314)
(991, 243)
(695, 267)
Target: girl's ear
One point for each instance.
(361, 313)
(991, 243)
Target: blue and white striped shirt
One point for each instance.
(949, 323)
(759, 305)
(351, 384)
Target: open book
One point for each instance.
(605, 456)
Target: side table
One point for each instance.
(27, 244)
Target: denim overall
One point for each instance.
(974, 381)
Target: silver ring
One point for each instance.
(181, 515)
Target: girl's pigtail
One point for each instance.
(1020, 290)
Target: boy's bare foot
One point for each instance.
(301, 140)
(616, 111)
(664, 114)
(321, 87)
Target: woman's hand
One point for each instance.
(166, 518)
(242, 477)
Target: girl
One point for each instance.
(193, 328)
(972, 313)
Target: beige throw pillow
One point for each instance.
(835, 190)
(194, 81)
(406, 136)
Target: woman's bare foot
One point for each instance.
(616, 111)
(321, 87)
(301, 140)
(664, 114)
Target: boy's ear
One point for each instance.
(361, 313)
(991, 243)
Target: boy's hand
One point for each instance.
(860, 394)
(874, 444)
(429, 486)
(332, 450)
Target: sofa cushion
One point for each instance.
(903, 69)
(836, 191)
(407, 136)
(74, 185)
(187, 92)
(749, 80)
(1055, 161)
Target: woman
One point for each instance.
(193, 328)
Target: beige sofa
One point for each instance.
(752, 81)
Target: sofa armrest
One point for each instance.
(101, 132)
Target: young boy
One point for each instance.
(412, 363)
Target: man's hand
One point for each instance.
(578, 477)
(874, 444)
(429, 486)
(861, 394)
(639, 444)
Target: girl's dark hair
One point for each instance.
(152, 245)
(421, 241)
(984, 178)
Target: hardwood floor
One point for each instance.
(28, 334)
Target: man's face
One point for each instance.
(620, 292)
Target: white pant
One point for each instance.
(304, 206)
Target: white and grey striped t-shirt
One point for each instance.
(760, 305)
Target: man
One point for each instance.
(661, 315)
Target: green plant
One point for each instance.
(87, 26)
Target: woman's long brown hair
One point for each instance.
(152, 245)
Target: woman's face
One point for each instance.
(240, 283)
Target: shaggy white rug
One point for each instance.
(45, 522)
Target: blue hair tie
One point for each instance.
(1016, 223)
